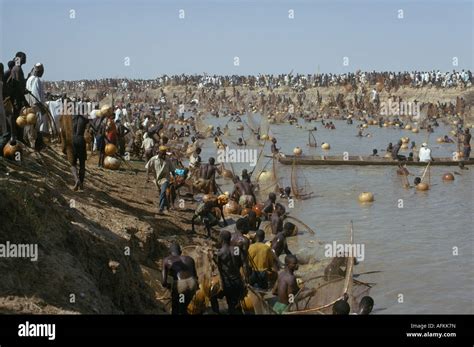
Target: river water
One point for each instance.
(424, 249)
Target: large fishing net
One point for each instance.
(266, 176)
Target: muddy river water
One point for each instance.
(424, 249)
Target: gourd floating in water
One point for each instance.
(448, 176)
(366, 197)
(422, 186)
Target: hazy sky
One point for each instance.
(96, 43)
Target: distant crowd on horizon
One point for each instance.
(415, 79)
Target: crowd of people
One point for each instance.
(434, 78)
(158, 132)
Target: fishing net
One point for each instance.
(311, 139)
(299, 184)
(318, 295)
(252, 128)
(266, 177)
(201, 127)
(264, 125)
(205, 266)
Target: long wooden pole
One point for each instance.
(426, 170)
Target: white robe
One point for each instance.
(35, 86)
(55, 107)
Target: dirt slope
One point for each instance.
(82, 237)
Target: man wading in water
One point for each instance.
(183, 271)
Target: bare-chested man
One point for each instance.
(275, 150)
(277, 218)
(243, 192)
(280, 244)
(208, 172)
(229, 261)
(286, 287)
(254, 221)
(79, 124)
(183, 271)
(206, 214)
(240, 240)
(269, 205)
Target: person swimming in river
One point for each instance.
(330, 125)
(285, 193)
(341, 308)
(218, 132)
(366, 306)
(446, 139)
(240, 142)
